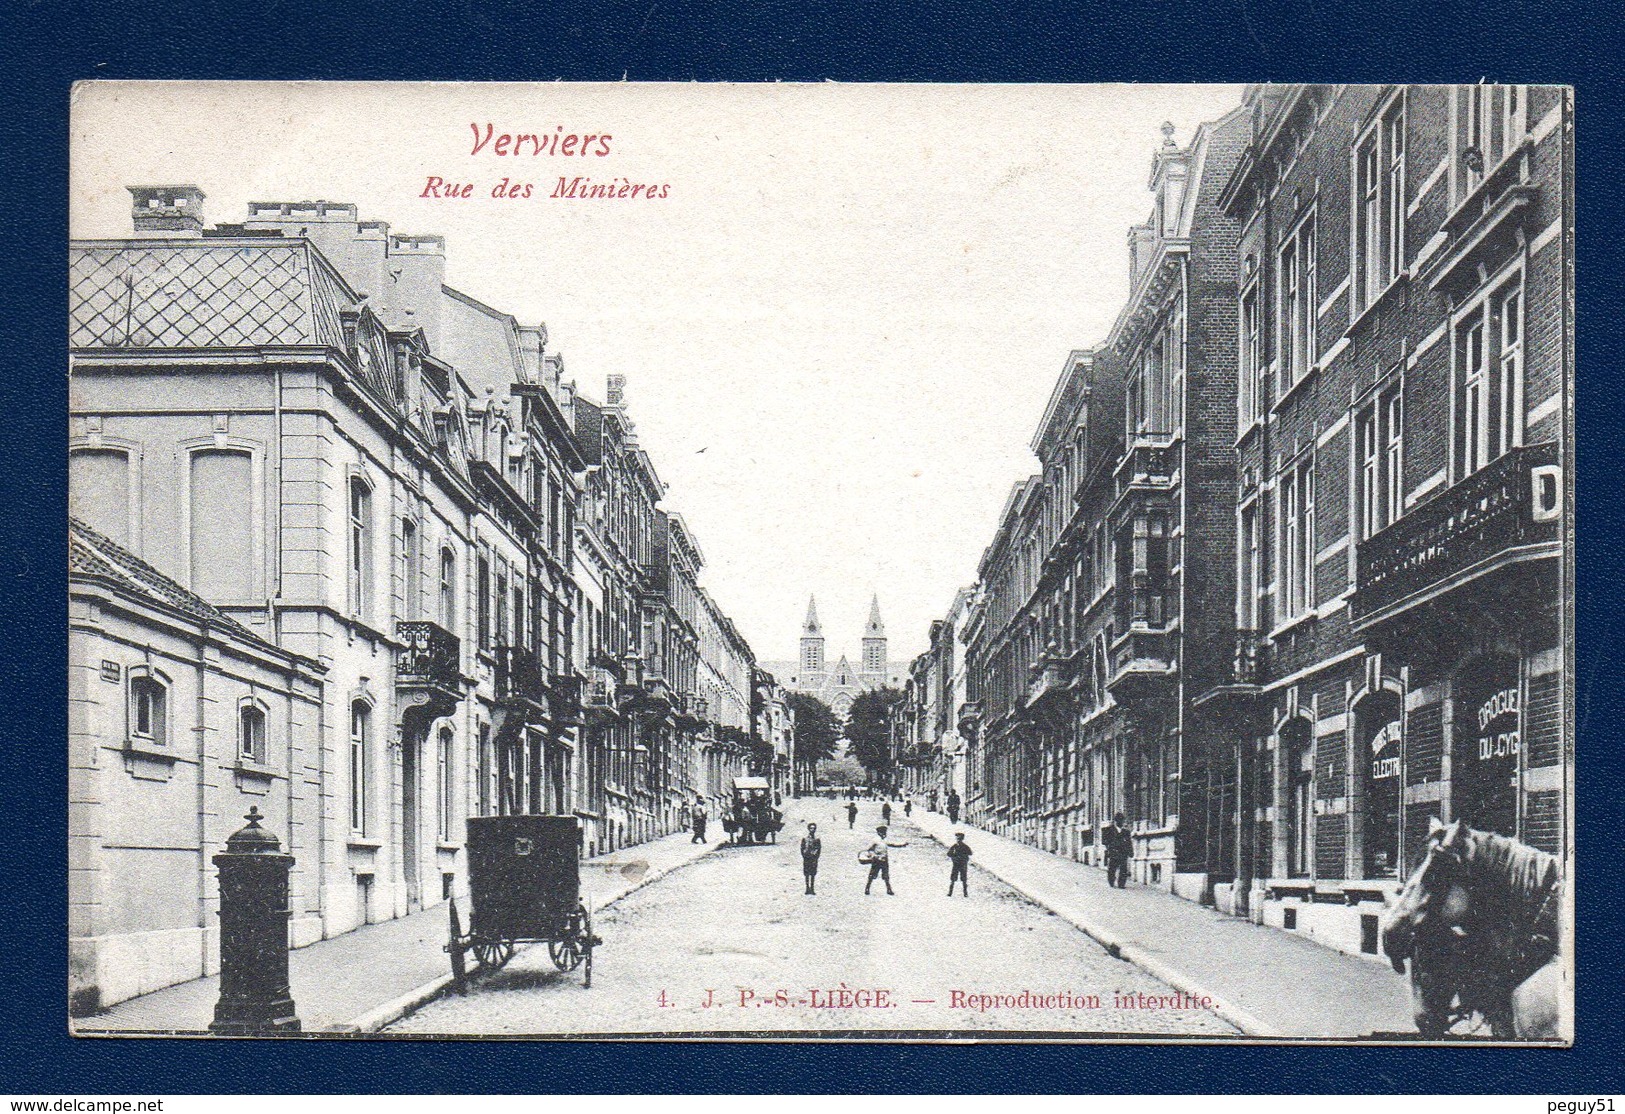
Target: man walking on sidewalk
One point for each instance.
(851, 814)
(811, 848)
(1119, 846)
(699, 822)
(878, 859)
(960, 854)
(953, 806)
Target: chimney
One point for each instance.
(166, 210)
(615, 393)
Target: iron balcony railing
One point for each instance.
(1510, 504)
(520, 676)
(430, 655)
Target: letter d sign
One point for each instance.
(1545, 488)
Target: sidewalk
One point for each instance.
(1267, 981)
(362, 980)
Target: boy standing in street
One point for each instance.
(811, 848)
(879, 860)
(960, 854)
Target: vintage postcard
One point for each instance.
(887, 562)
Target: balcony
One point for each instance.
(564, 692)
(521, 680)
(428, 672)
(598, 698)
(1148, 465)
(1502, 515)
(1240, 703)
(969, 720)
(1141, 663)
(1049, 686)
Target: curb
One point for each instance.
(420, 996)
(1131, 953)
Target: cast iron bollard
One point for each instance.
(254, 914)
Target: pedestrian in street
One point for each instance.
(953, 806)
(698, 816)
(1119, 846)
(811, 848)
(959, 854)
(878, 860)
(885, 812)
(851, 813)
(908, 806)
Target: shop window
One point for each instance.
(1378, 732)
(1488, 736)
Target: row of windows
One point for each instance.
(149, 723)
(1490, 419)
(1491, 121)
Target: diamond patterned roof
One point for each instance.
(176, 295)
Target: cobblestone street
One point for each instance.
(735, 930)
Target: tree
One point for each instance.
(817, 731)
(869, 727)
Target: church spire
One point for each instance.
(875, 628)
(811, 625)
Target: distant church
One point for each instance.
(837, 685)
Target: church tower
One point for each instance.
(812, 641)
(874, 643)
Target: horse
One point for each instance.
(1479, 922)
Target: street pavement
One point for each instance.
(1269, 981)
(338, 984)
(732, 944)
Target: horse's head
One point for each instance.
(1432, 907)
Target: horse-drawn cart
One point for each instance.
(753, 819)
(524, 881)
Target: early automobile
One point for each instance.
(524, 881)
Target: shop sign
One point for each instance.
(1385, 766)
(1498, 725)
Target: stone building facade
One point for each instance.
(295, 421)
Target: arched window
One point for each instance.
(448, 588)
(251, 733)
(99, 490)
(221, 516)
(149, 710)
(1297, 750)
(360, 547)
(1378, 741)
(360, 738)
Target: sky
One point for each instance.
(839, 321)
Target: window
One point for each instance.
(1297, 303)
(1506, 314)
(221, 490)
(360, 547)
(1379, 212)
(1490, 379)
(411, 573)
(502, 609)
(483, 602)
(1491, 122)
(149, 710)
(1297, 516)
(251, 733)
(448, 589)
(443, 786)
(1379, 445)
(360, 737)
(99, 491)
(1248, 557)
(1250, 382)
(1299, 753)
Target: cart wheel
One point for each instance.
(493, 956)
(588, 940)
(459, 967)
(565, 953)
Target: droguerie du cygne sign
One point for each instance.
(822, 561)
